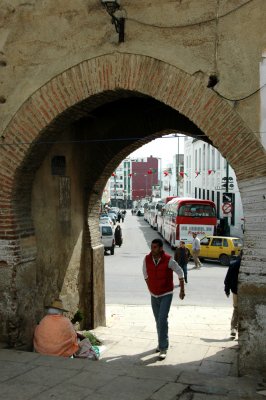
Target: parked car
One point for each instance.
(106, 220)
(107, 238)
(113, 216)
(140, 212)
(219, 248)
(115, 209)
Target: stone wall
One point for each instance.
(66, 83)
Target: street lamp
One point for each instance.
(160, 175)
(111, 7)
(145, 186)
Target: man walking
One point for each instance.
(158, 268)
(181, 257)
(196, 250)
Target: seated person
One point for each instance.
(55, 335)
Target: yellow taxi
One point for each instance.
(219, 248)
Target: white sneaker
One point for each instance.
(162, 354)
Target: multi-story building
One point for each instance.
(120, 185)
(205, 175)
(144, 177)
(172, 182)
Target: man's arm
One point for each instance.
(144, 270)
(178, 270)
(227, 282)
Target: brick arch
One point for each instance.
(136, 73)
(106, 77)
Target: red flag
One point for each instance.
(197, 173)
(181, 173)
(209, 171)
(166, 173)
(113, 174)
(149, 172)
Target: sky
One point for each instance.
(164, 148)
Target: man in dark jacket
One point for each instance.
(230, 284)
(181, 257)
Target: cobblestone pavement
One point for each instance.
(201, 363)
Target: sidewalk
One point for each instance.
(201, 363)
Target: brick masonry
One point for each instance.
(72, 95)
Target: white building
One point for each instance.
(205, 173)
(120, 183)
(172, 181)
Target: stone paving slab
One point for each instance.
(201, 363)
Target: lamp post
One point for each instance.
(145, 185)
(112, 6)
(115, 191)
(160, 176)
(177, 177)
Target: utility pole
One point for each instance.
(115, 191)
(177, 169)
(226, 224)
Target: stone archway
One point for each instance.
(64, 99)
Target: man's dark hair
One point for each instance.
(158, 241)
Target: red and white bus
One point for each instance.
(182, 216)
(160, 212)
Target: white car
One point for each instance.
(140, 212)
(107, 237)
(106, 220)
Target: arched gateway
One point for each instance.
(51, 185)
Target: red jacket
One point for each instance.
(160, 277)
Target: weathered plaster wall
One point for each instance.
(42, 39)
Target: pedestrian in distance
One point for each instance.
(118, 236)
(158, 268)
(119, 216)
(230, 285)
(182, 257)
(196, 250)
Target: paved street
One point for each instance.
(123, 271)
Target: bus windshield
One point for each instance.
(196, 210)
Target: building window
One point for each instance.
(196, 192)
(213, 159)
(200, 159)
(58, 165)
(203, 194)
(208, 156)
(208, 195)
(204, 158)
(196, 159)
(225, 163)
(199, 193)
(218, 160)
(213, 195)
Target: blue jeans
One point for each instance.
(184, 268)
(160, 308)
